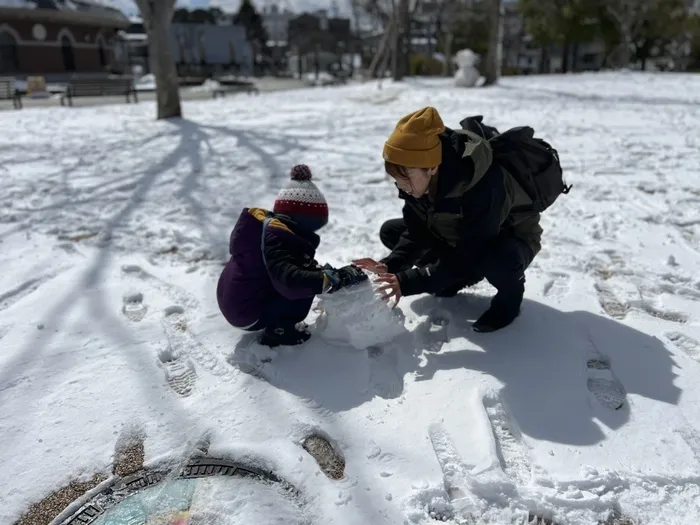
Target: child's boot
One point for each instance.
(284, 336)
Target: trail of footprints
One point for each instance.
(618, 308)
(514, 460)
(182, 349)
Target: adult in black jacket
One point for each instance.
(458, 225)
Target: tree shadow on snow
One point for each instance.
(87, 292)
(541, 361)
(198, 192)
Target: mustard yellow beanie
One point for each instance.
(415, 143)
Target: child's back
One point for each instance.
(265, 268)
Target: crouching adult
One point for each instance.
(462, 220)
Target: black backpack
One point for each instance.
(532, 162)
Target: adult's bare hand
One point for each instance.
(371, 265)
(390, 288)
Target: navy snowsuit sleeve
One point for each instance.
(293, 271)
(482, 209)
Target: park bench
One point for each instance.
(234, 86)
(9, 91)
(99, 87)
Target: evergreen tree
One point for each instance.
(251, 20)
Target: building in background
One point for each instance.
(199, 50)
(318, 44)
(276, 23)
(56, 38)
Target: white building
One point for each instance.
(275, 21)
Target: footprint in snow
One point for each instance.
(557, 286)
(610, 303)
(183, 342)
(384, 377)
(686, 343)
(133, 308)
(436, 328)
(179, 372)
(511, 451)
(603, 384)
(252, 358)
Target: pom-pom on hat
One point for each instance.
(302, 201)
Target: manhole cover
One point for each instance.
(206, 491)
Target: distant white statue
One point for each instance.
(466, 75)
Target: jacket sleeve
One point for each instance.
(406, 251)
(287, 274)
(482, 208)
(404, 254)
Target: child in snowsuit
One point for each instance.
(272, 277)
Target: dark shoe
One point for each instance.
(494, 319)
(284, 336)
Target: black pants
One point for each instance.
(283, 313)
(503, 264)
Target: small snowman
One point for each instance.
(466, 75)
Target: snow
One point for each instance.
(113, 230)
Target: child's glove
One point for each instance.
(345, 276)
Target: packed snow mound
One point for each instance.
(359, 317)
(466, 75)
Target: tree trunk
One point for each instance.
(447, 66)
(492, 65)
(381, 50)
(157, 15)
(398, 58)
(565, 52)
(406, 48)
(542, 68)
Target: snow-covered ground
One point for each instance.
(110, 221)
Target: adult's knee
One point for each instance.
(391, 231)
(505, 264)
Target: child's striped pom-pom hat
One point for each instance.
(302, 201)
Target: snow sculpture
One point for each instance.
(358, 316)
(466, 75)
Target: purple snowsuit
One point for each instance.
(271, 278)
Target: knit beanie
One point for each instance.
(415, 143)
(302, 201)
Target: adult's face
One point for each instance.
(416, 181)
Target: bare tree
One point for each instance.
(394, 18)
(630, 15)
(492, 64)
(444, 21)
(157, 16)
(447, 18)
